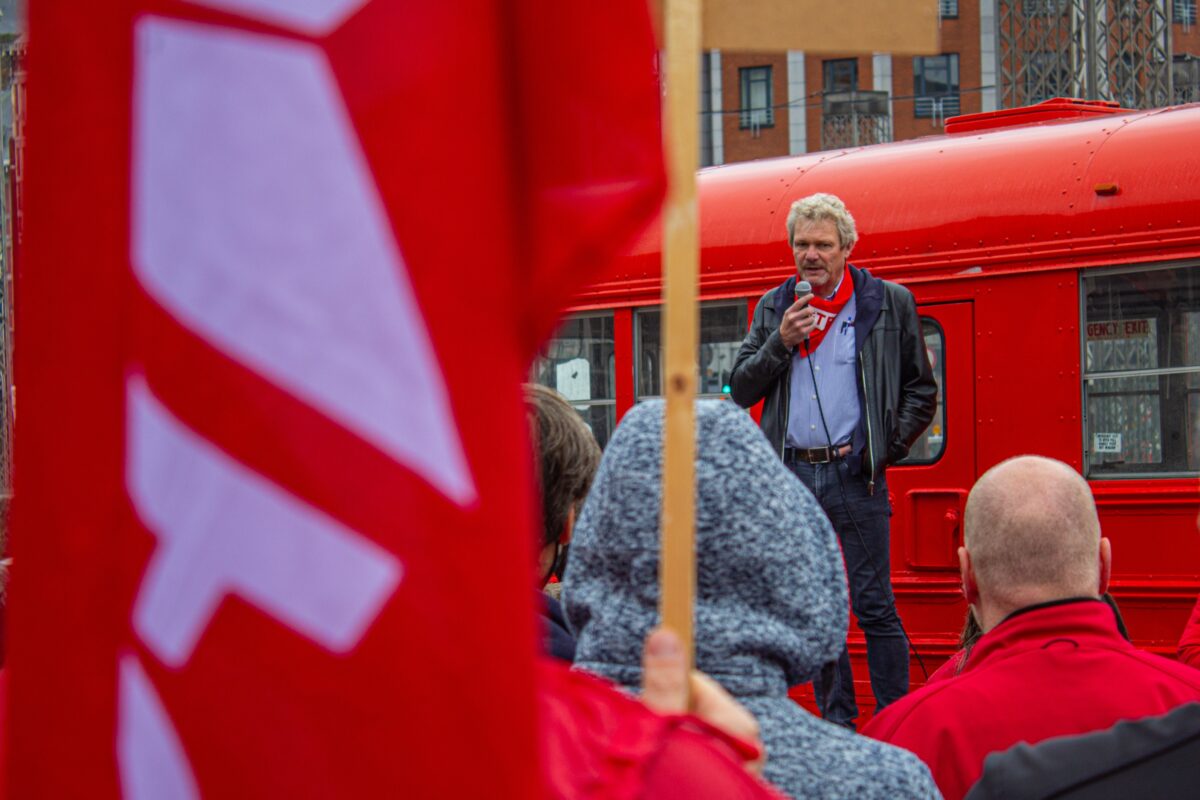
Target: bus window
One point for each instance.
(928, 448)
(578, 363)
(722, 328)
(1141, 375)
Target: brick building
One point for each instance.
(994, 54)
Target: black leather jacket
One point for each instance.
(894, 377)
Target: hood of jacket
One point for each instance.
(771, 598)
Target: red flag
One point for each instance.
(288, 261)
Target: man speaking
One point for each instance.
(839, 358)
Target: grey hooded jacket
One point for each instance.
(771, 599)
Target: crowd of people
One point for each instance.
(1048, 697)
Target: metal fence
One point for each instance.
(1100, 49)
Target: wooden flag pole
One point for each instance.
(680, 329)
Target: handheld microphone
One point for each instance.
(803, 288)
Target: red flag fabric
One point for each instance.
(288, 261)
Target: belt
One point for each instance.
(816, 455)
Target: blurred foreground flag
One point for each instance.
(287, 262)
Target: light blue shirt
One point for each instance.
(837, 382)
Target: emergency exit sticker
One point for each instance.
(1120, 329)
(1106, 443)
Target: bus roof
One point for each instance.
(1105, 189)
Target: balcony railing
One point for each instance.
(852, 119)
(937, 107)
(1185, 77)
(757, 117)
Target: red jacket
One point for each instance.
(1189, 643)
(597, 742)
(1048, 670)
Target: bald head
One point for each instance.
(1032, 533)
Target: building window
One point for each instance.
(1184, 12)
(756, 105)
(722, 328)
(1185, 78)
(707, 158)
(947, 9)
(579, 363)
(1141, 372)
(929, 446)
(841, 75)
(935, 86)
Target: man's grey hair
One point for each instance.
(1031, 524)
(821, 207)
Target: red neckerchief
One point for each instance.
(826, 311)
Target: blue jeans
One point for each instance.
(868, 570)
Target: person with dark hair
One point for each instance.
(842, 371)
(568, 457)
(771, 598)
(966, 641)
(1051, 660)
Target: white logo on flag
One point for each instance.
(257, 224)
(153, 766)
(316, 17)
(224, 529)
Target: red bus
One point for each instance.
(1054, 252)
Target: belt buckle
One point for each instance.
(815, 455)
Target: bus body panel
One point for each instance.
(1005, 237)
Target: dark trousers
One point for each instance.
(868, 569)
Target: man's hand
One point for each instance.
(668, 688)
(798, 322)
